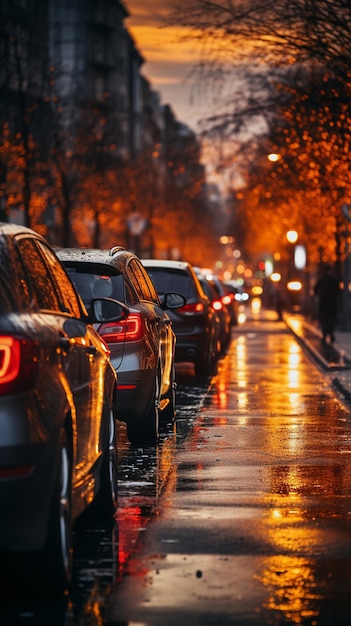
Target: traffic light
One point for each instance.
(260, 270)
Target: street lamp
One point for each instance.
(300, 257)
(276, 277)
(273, 157)
(293, 285)
(292, 236)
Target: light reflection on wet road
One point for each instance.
(102, 551)
(242, 514)
(255, 527)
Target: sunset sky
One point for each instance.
(168, 61)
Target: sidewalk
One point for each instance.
(335, 359)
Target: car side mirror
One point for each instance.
(107, 310)
(172, 301)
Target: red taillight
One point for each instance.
(192, 309)
(129, 329)
(18, 364)
(9, 359)
(217, 305)
(21, 471)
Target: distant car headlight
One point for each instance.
(294, 285)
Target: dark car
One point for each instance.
(239, 292)
(227, 297)
(142, 346)
(219, 306)
(195, 323)
(57, 411)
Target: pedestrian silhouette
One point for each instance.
(327, 290)
(279, 302)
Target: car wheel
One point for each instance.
(52, 567)
(49, 570)
(105, 502)
(168, 413)
(203, 365)
(146, 429)
(202, 369)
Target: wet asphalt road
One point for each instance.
(255, 524)
(242, 514)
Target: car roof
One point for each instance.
(93, 255)
(233, 283)
(183, 266)
(166, 263)
(17, 229)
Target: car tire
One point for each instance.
(57, 553)
(203, 365)
(105, 503)
(49, 570)
(52, 567)
(146, 429)
(202, 369)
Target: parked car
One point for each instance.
(57, 410)
(142, 346)
(227, 297)
(219, 306)
(194, 323)
(208, 290)
(240, 294)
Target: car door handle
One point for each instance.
(162, 320)
(64, 343)
(91, 350)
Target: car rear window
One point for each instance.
(172, 280)
(206, 286)
(96, 281)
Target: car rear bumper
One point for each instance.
(27, 474)
(135, 394)
(191, 348)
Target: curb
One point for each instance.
(298, 332)
(345, 391)
(341, 386)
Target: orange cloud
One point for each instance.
(169, 55)
(164, 44)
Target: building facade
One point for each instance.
(71, 85)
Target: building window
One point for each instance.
(98, 50)
(99, 87)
